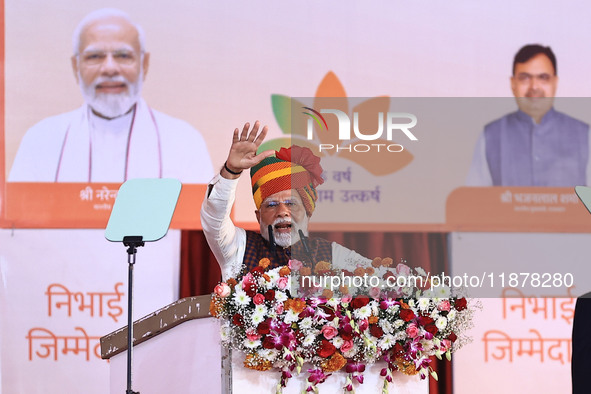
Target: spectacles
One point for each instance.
(527, 77)
(289, 204)
(120, 56)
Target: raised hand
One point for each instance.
(242, 154)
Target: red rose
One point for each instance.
(359, 302)
(237, 320)
(270, 295)
(264, 327)
(425, 320)
(326, 349)
(268, 343)
(258, 270)
(431, 328)
(398, 349)
(452, 337)
(376, 330)
(407, 315)
(461, 304)
(346, 332)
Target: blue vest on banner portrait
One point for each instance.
(520, 152)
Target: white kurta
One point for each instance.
(78, 146)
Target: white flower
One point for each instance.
(305, 323)
(333, 302)
(386, 326)
(443, 292)
(451, 315)
(420, 271)
(400, 335)
(427, 345)
(386, 342)
(291, 316)
(351, 352)
(269, 354)
(429, 294)
(411, 303)
(424, 304)
(241, 298)
(434, 314)
(441, 323)
(280, 296)
(252, 344)
(225, 333)
(260, 309)
(308, 340)
(398, 323)
(362, 313)
(393, 309)
(257, 318)
(337, 341)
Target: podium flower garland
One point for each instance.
(403, 326)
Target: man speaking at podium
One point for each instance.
(114, 136)
(284, 192)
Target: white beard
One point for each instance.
(112, 105)
(285, 240)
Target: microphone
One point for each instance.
(304, 240)
(271, 238)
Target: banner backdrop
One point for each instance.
(60, 291)
(217, 65)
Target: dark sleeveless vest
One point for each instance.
(257, 248)
(552, 153)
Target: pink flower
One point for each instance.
(374, 292)
(445, 345)
(282, 282)
(252, 334)
(363, 324)
(222, 290)
(329, 332)
(258, 299)
(403, 269)
(346, 299)
(444, 306)
(279, 308)
(295, 265)
(412, 330)
(346, 346)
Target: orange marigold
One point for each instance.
(359, 271)
(406, 367)
(404, 305)
(327, 293)
(284, 271)
(264, 262)
(267, 277)
(321, 267)
(376, 262)
(305, 271)
(334, 363)
(215, 306)
(344, 290)
(370, 271)
(255, 362)
(372, 319)
(295, 304)
(231, 282)
(387, 262)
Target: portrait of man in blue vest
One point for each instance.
(536, 145)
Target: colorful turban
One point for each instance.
(293, 168)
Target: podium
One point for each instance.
(177, 350)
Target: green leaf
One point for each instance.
(282, 110)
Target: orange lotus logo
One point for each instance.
(326, 128)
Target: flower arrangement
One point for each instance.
(403, 326)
